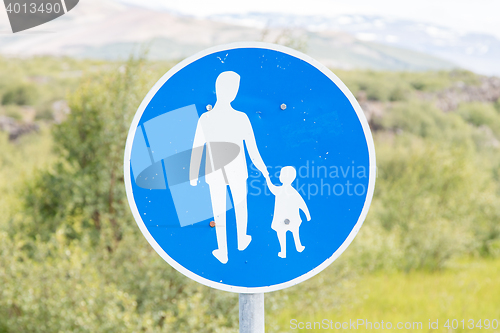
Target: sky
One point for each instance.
(460, 15)
(455, 16)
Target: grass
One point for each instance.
(18, 161)
(468, 290)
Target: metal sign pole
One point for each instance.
(252, 313)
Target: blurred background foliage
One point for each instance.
(73, 260)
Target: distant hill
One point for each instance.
(473, 51)
(109, 30)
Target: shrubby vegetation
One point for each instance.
(72, 259)
(380, 86)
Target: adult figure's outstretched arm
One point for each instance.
(196, 154)
(252, 149)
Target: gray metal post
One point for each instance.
(252, 313)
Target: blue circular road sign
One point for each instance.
(249, 167)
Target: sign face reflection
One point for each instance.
(249, 167)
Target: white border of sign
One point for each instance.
(296, 54)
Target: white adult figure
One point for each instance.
(221, 126)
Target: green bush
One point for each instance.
(481, 114)
(399, 94)
(12, 111)
(45, 112)
(497, 105)
(82, 287)
(435, 201)
(20, 95)
(87, 182)
(425, 120)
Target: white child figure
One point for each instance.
(287, 209)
